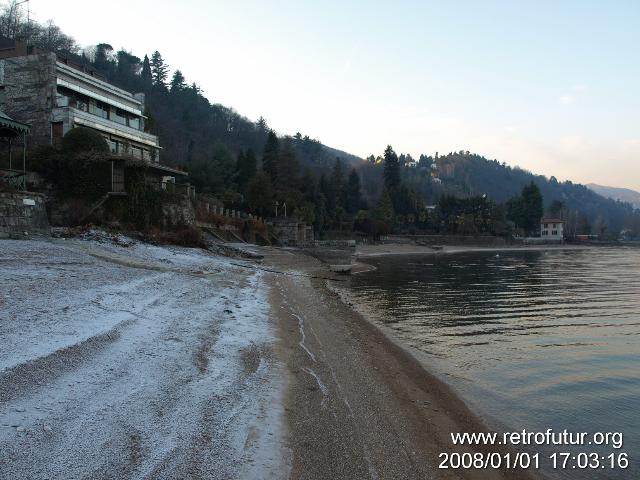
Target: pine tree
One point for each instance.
(526, 209)
(288, 167)
(353, 197)
(196, 89)
(246, 167)
(177, 82)
(159, 70)
(533, 207)
(391, 169)
(251, 163)
(384, 209)
(337, 185)
(146, 70)
(270, 156)
(261, 124)
(260, 194)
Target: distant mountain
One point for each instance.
(622, 194)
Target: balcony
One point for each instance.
(72, 116)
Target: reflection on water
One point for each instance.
(532, 340)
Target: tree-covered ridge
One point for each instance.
(463, 174)
(249, 167)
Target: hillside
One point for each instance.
(469, 174)
(195, 133)
(226, 154)
(616, 193)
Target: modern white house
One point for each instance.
(552, 229)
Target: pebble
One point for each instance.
(47, 429)
(20, 429)
(19, 409)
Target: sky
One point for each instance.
(550, 86)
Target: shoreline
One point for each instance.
(368, 251)
(357, 400)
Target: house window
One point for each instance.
(62, 100)
(82, 104)
(119, 116)
(134, 122)
(99, 108)
(546, 225)
(554, 232)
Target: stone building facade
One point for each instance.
(53, 94)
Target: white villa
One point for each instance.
(552, 229)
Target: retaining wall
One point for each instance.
(22, 212)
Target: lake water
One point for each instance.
(530, 340)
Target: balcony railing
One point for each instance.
(108, 126)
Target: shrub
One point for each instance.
(83, 140)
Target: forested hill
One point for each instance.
(195, 133)
(244, 163)
(466, 174)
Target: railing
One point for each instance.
(107, 125)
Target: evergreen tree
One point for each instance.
(288, 167)
(337, 184)
(353, 196)
(246, 167)
(384, 209)
(526, 210)
(251, 163)
(261, 124)
(260, 194)
(159, 70)
(391, 169)
(103, 55)
(270, 156)
(146, 70)
(177, 82)
(328, 202)
(221, 167)
(196, 89)
(533, 208)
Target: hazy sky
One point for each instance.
(550, 86)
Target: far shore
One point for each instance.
(364, 251)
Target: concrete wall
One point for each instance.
(29, 93)
(22, 212)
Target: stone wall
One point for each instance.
(22, 212)
(28, 93)
(178, 213)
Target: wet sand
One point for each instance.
(357, 404)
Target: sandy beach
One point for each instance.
(120, 359)
(358, 405)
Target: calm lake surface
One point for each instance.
(530, 340)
